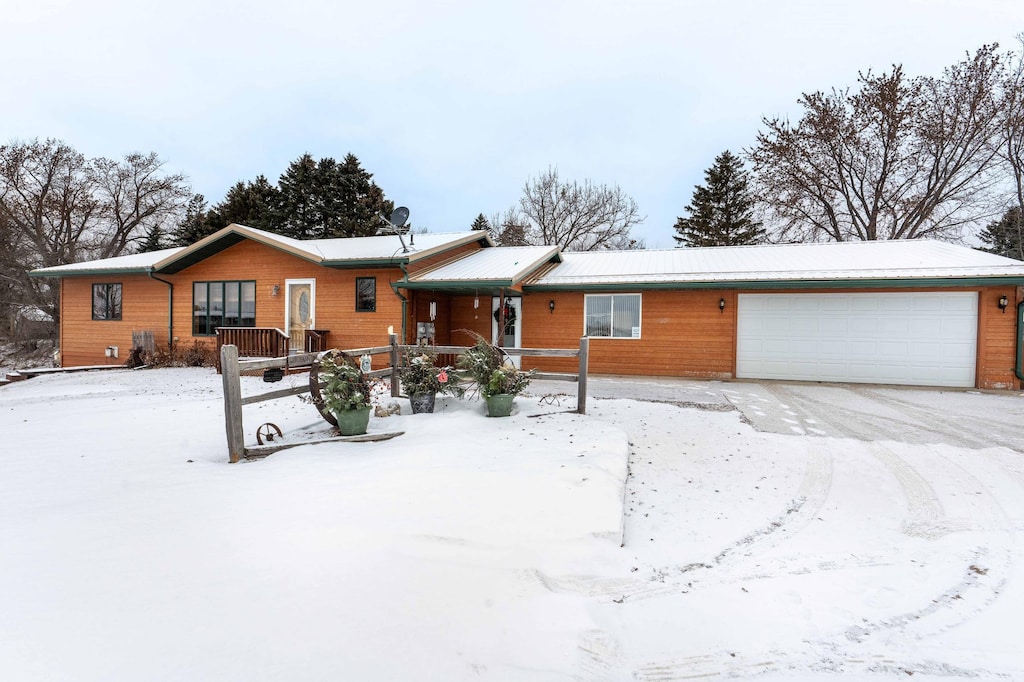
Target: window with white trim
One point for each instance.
(612, 316)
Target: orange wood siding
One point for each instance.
(997, 339)
(335, 297)
(682, 333)
(465, 317)
(84, 340)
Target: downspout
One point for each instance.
(1018, 367)
(405, 301)
(170, 309)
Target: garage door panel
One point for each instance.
(899, 338)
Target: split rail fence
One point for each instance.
(231, 367)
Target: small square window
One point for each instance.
(366, 294)
(106, 301)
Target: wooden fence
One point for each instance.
(231, 369)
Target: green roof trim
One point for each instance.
(352, 263)
(901, 283)
(138, 270)
(458, 284)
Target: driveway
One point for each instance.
(972, 419)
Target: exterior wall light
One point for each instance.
(1003, 302)
(721, 305)
(551, 305)
(274, 290)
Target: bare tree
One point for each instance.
(509, 228)
(1010, 144)
(138, 197)
(901, 158)
(57, 207)
(576, 216)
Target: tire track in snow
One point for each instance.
(810, 498)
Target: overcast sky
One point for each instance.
(454, 105)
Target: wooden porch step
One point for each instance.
(15, 376)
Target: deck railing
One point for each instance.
(253, 342)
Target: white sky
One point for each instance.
(453, 105)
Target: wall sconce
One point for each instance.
(1003, 302)
(551, 305)
(433, 310)
(274, 290)
(721, 305)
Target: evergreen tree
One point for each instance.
(721, 212)
(1003, 236)
(481, 223)
(362, 201)
(253, 204)
(153, 240)
(194, 224)
(329, 199)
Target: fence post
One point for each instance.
(395, 361)
(232, 402)
(581, 382)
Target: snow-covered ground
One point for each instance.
(475, 548)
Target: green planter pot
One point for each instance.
(353, 422)
(500, 405)
(422, 402)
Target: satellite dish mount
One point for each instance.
(397, 221)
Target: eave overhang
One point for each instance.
(872, 283)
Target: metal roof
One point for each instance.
(338, 252)
(505, 266)
(136, 262)
(904, 259)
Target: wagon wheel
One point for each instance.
(267, 432)
(314, 382)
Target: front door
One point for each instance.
(513, 324)
(299, 311)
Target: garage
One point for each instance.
(919, 339)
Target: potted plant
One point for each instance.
(345, 393)
(422, 380)
(494, 376)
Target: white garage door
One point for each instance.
(919, 339)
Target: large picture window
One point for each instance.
(106, 301)
(613, 316)
(222, 304)
(366, 294)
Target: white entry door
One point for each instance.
(513, 324)
(299, 311)
(917, 339)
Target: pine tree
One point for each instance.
(193, 225)
(253, 204)
(153, 240)
(324, 199)
(481, 224)
(1003, 236)
(721, 212)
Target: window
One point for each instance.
(613, 316)
(222, 304)
(366, 294)
(106, 301)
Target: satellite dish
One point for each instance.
(399, 216)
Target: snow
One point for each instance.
(519, 548)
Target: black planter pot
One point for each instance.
(422, 402)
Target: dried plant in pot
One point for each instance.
(422, 380)
(494, 376)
